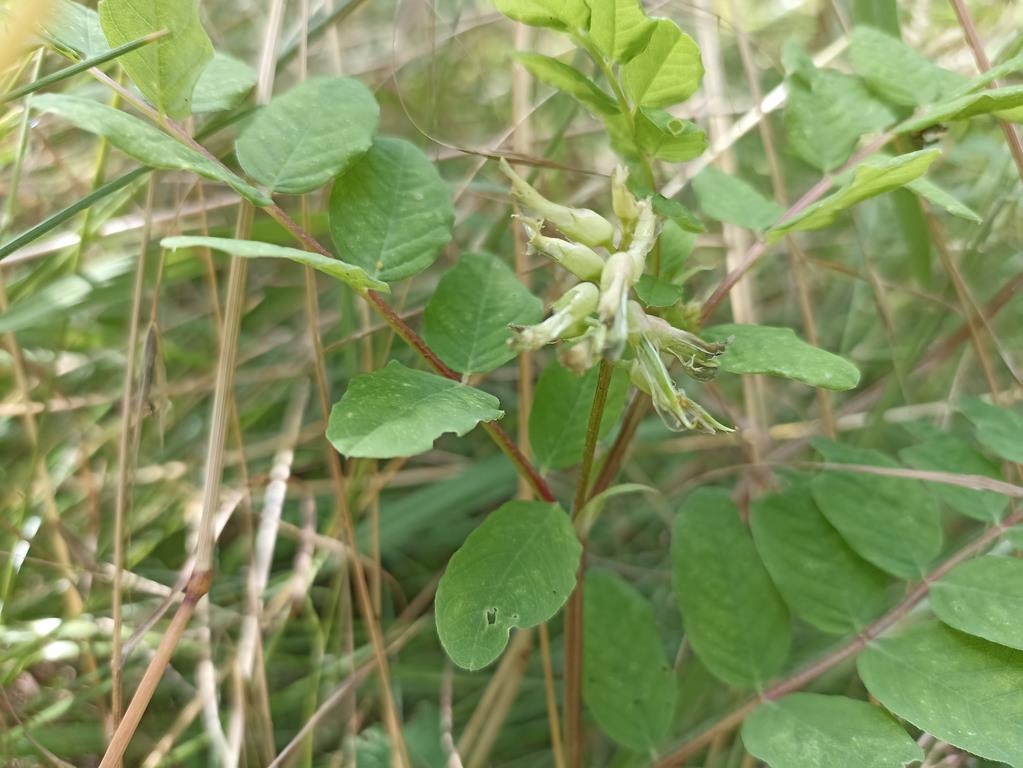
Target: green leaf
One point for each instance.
(591, 510)
(883, 14)
(466, 320)
(398, 411)
(570, 80)
(964, 107)
(826, 114)
(655, 291)
(998, 429)
(561, 411)
(223, 84)
(670, 138)
(346, 273)
(728, 198)
(734, 617)
(77, 27)
(141, 140)
(629, 685)
(667, 71)
(870, 178)
(167, 71)
(619, 28)
(963, 690)
(779, 352)
(821, 578)
(945, 453)
(391, 213)
(900, 74)
(939, 197)
(983, 597)
(681, 216)
(309, 134)
(808, 730)
(891, 522)
(516, 570)
(567, 15)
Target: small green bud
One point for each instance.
(579, 224)
(643, 236)
(570, 312)
(622, 200)
(580, 260)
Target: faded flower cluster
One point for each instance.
(597, 318)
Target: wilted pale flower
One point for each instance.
(581, 260)
(568, 319)
(697, 356)
(583, 352)
(676, 410)
(579, 224)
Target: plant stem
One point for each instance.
(811, 672)
(574, 608)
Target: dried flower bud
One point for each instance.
(581, 354)
(579, 224)
(676, 410)
(698, 357)
(570, 312)
(582, 261)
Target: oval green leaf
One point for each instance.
(779, 352)
(983, 597)
(821, 578)
(346, 273)
(309, 134)
(998, 429)
(466, 320)
(564, 15)
(808, 730)
(140, 140)
(670, 138)
(629, 684)
(619, 28)
(734, 617)
(870, 178)
(728, 198)
(891, 522)
(964, 107)
(946, 453)
(963, 690)
(398, 411)
(166, 72)
(570, 80)
(223, 84)
(391, 213)
(667, 71)
(898, 73)
(516, 570)
(561, 411)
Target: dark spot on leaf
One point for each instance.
(491, 616)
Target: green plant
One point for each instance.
(845, 558)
